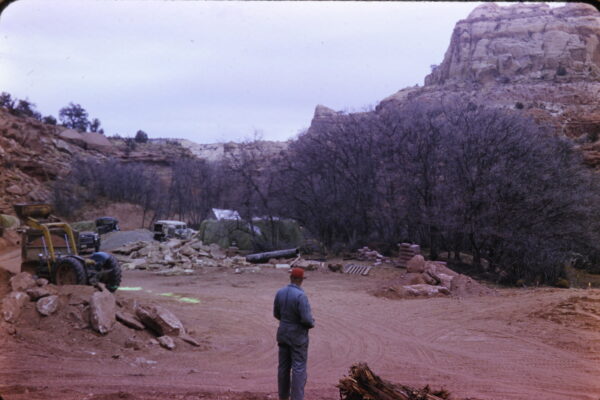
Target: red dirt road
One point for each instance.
(521, 344)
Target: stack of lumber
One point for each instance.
(363, 384)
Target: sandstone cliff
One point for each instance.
(522, 43)
(544, 61)
(220, 151)
(33, 155)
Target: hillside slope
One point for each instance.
(33, 155)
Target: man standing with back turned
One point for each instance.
(292, 310)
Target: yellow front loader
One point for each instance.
(50, 244)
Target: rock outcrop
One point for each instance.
(530, 57)
(522, 43)
(34, 154)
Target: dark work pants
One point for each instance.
(292, 359)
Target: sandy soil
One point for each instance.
(520, 344)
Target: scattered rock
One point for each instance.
(309, 265)
(12, 305)
(36, 293)
(142, 362)
(21, 282)
(416, 264)
(335, 267)
(129, 320)
(79, 316)
(173, 243)
(167, 342)
(366, 254)
(429, 279)
(426, 290)
(216, 252)
(414, 278)
(134, 343)
(47, 305)
(102, 312)
(176, 256)
(159, 320)
(175, 271)
(188, 339)
(41, 282)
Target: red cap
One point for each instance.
(297, 273)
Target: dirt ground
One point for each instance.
(518, 344)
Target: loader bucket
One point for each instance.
(32, 210)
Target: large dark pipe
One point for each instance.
(262, 257)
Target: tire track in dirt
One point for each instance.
(487, 348)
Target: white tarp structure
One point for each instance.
(221, 214)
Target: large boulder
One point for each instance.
(129, 320)
(36, 293)
(47, 305)
(12, 306)
(425, 290)
(416, 264)
(159, 320)
(21, 282)
(103, 309)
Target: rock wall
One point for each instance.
(523, 43)
(33, 155)
(530, 57)
(220, 151)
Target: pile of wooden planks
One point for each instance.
(363, 384)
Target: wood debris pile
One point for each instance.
(363, 384)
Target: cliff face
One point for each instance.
(221, 151)
(523, 43)
(541, 60)
(33, 155)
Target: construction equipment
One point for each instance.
(166, 229)
(106, 225)
(49, 250)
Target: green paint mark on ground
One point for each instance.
(189, 300)
(178, 297)
(181, 298)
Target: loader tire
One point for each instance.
(69, 271)
(112, 279)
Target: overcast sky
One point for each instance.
(212, 71)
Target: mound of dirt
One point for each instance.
(581, 312)
(432, 279)
(71, 325)
(464, 286)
